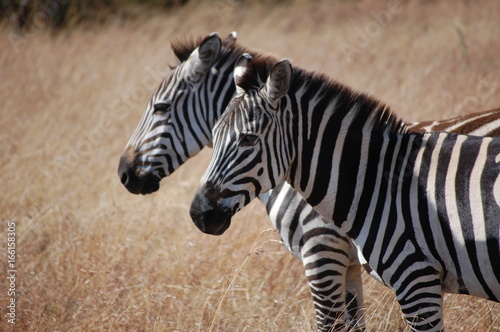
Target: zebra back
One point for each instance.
(485, 123)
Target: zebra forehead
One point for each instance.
(169, 78)
(241, 115)
(226, 116)
(164, 91)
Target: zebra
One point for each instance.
(318, 244)
(177, 124)
(422, 209)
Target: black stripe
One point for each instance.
(348, 169)
(327, 146)
(492, 211)
(422, 201)
(468, 156)
(381, 201)
(195, 105)
(440, 196)
(306, 156)
(370, 179)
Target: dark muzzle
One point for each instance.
(127, 171)
(207, 214)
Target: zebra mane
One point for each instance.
(256, 72)
(183, 48)
(326, 90)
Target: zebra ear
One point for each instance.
(240, 68)
(278, 82)
(204, 57)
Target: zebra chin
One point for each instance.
(207, 215)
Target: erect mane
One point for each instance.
(183, 47)
(326, 89)
(256, 72)
(382, 118)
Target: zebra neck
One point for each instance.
(337, 137)
(343, 181)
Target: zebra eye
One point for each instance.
(161, 108)
(248, 139)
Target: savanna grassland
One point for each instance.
(90, 256)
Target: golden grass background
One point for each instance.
(92, 257)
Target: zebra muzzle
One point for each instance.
(145, 184)
(207, 214)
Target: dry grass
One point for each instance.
(91, 256)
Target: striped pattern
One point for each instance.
(422, 209)
(176, 126)
(477, 124)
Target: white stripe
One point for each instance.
(312, 103)
(496, 186)
(467, 120)
(400, 224)
(383, 229)
(325, 207)
(360, 241)
(486, 128)
(415, 215)
(314, 160)
(478, 220)
(454, 218)
(437, 232)
(360, 180)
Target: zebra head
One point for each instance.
(249, 155)
(176, 123)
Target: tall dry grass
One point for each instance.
(92, 257)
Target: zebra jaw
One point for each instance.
(209, 216)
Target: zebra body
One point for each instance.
(422, 209)
(177, 123)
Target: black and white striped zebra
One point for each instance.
(422, 209)
(158, 147)
(177, 124)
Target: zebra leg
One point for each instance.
(420, 298)
(354, 310)
(329, 301)
(326, 270)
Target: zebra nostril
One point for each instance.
(126, 168)
(124, 178)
